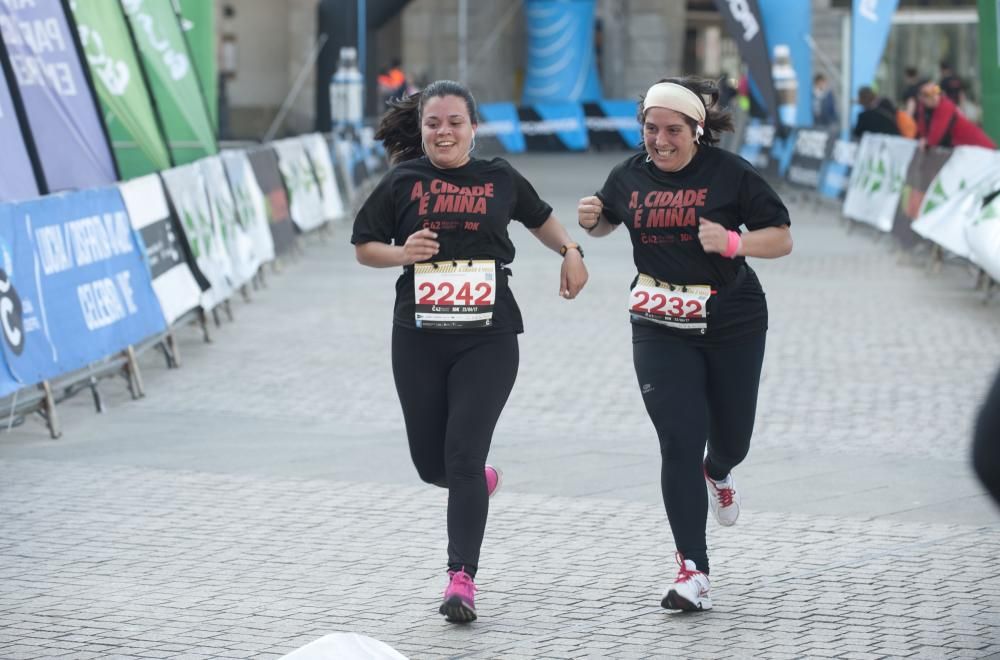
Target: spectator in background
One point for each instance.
(911, 87)
(824, 103)
(904, 120)
(392, 82)
(941, 124)
(951, 85)
(727, 90)
(875, 117)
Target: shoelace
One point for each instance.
(725, 495)
(684, 574)
(461, 580)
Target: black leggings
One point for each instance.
(986, 444)
(452, 388)
(692, 394)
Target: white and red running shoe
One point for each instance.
(723, 499)
(689, 592)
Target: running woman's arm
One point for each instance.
(590, 216)
(420, 246)
(573, 274)
(766, 243)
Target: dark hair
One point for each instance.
(399, 128)
(715, 120)
(911, 72)
(818, 77)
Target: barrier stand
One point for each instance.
(168, 346)
(132, 374)
(245, 292)
(936, 259)
(206, 332)
(48, 410)
(988, 294)
(229, 309)
(981, 279)
(95, 394)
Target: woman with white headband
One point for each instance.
(697, 309)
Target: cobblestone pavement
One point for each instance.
(261, 496)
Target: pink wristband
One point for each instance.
(733, 246)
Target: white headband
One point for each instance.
(675, 97)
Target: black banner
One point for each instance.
(604, 132)
(745, 26)
(807, 158)
(924, 166)
(265, 168)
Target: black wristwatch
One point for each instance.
(571, 246)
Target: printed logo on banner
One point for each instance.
(10, 314)
(176, 62)
(113, 73)
(876, 172)
(808, 157)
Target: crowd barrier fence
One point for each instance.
(92, 279)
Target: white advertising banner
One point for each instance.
(345, 160)
(955, 196)
(983, 234)
(224, 214)
(319, 155)
(305, 203)
(251, 208)
(186, 187)
(173, 282)
(877, 179)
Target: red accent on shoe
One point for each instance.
(724, 495)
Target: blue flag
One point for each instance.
(870, 24)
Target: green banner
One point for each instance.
(128, 108)
(989, 65)
(172, 78)
(198, 23)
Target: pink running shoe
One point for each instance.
(459, 604)
(689, 592)
(494, 477)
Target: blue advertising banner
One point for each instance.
(758, 139)
(553, 127)
(836, 173)
(17, 179)
(561, 61)
(786, 26)
(870, 23)
(75, 287)
(613, 124)
(500, 121)
(58, 102)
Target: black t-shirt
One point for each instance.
(661, 211)
(876, 120)
(469, 207)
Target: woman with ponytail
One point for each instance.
(442, 215)
(697, 309)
